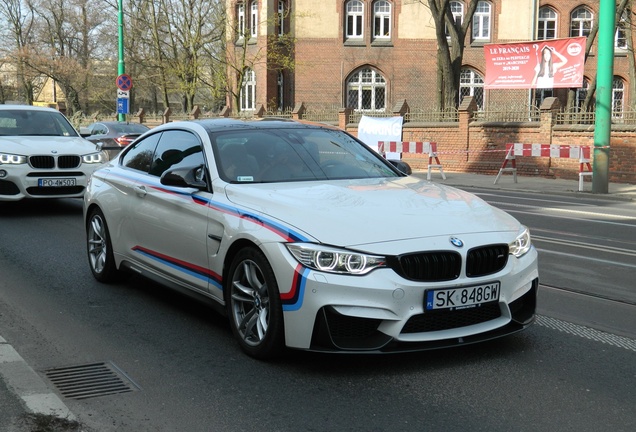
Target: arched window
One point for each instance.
(280, 17)
(382, 19)
(618, 97)
(471, 84)
(620, 38)
(547, 28)
(581, 21)
(240, 20)
(481, 21)
(254, 19)
(366, 91)
(248, 91)
(457, 9)
(355, 14)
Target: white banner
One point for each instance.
(374, 129)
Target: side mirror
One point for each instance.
(84, 132)
(403, 167)
(188, 177)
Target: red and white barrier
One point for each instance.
(582, 153)
(414, 147)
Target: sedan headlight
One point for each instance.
(522, 243)
(95, 158)
(334, 260)
(7, 158)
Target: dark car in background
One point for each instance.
(113, 134)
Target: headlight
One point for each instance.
(95, 158)
(522, 243)
(334, 260)
(6, 158)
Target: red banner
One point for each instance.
(555, 63)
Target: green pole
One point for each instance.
(604, 79)
(121, 65)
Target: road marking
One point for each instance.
(583, 245)
(559, 210)
(587, 333)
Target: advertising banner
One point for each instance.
(545, 64)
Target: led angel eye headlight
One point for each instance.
(522, 243)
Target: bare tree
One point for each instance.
(19, 15)
(451, 37)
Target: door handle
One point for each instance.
(140, 191)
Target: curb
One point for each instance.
(29, 386)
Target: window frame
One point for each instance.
(248, 91)
(575, 18)
(472, 84)
(362, 85)
(544, 21)
(354, 20)
(482, 22)
(253, 19)
(456, 14)
(382, 31)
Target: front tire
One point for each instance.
(100, 249)
(254, 306)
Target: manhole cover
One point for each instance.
(90, 380)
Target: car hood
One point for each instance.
(357, 212)
(30, 145)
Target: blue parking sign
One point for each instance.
(122, 106)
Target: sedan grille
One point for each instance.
(49, 162)
(428, 266)
(447, 319)
(486, 260)
(45, 162)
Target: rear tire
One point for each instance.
(99, 248)
(254, 306)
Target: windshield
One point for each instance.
(295, 155)
(129, 128)
(34, 123)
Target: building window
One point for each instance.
(581, 22)
(254, 19)
(280, 90)
(248, 91)
(280, 18)
(547, 24)
(618, 93)
(382, 19)
(355, 13)
(240, 18)
(620, 38)
(471, 84)
(366, 91)
(457, 9)
(481, 21)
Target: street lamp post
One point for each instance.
(604, 80)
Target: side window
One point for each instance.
(139, 155)
(176, 149)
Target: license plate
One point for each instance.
(462, 298)
(56, 182)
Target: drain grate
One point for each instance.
(90, 380)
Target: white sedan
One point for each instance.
(308, 239)
(42, 155)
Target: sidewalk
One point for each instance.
(622, 191)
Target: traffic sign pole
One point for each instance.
(121, 66)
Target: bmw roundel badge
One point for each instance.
(456, 242)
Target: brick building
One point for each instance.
(370, 55)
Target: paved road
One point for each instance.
(558, 375)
